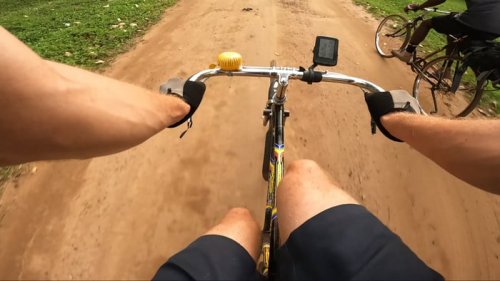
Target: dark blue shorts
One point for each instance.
(450, 25)
(345, 242)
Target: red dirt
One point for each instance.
(122, 216)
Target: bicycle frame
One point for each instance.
(417, 63)
(270, 231)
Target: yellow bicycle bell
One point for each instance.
(230, 61)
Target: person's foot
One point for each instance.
(402, 55)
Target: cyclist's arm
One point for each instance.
(468, 149)
(430, 3)
(54, 111)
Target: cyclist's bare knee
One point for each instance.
(306, 190)
(241, 214)
(303, 165)
(304, 172)
(239, 218)
(239, 225)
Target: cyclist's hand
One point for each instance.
(411, 7)
(190, 92)
(383, 103)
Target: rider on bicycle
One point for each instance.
(481, 21)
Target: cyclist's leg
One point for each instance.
(240, 226)
(442, 24)
(449, 49)
(417, 37)
(326, 234)
(305, 192)
(421, 32)
(228, 251)
(447, 25)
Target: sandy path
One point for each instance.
(120, 217)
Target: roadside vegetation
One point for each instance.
(7, 173)
(85, 33)
(382, 8)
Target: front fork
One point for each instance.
(270, 232)
(276, 114)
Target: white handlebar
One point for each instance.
(286, 73)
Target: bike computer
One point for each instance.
(326, 51)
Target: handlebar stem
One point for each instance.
(282, 86)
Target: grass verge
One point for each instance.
(87, 33)
(7, 173)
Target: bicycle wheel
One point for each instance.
(269, 140)
(433, 88)
(488, 88)
(393, 33)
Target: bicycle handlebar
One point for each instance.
(435, 10)
(285, 73)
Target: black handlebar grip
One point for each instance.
(192, 94)
(311, 76)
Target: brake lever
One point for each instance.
(374, 126)
(189, 125)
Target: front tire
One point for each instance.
(393, 33)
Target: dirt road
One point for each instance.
(120, 217)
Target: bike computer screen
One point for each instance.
(326, 51)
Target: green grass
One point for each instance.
(79, 32)
(384, 8)
(491, 98)
(7, 173)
